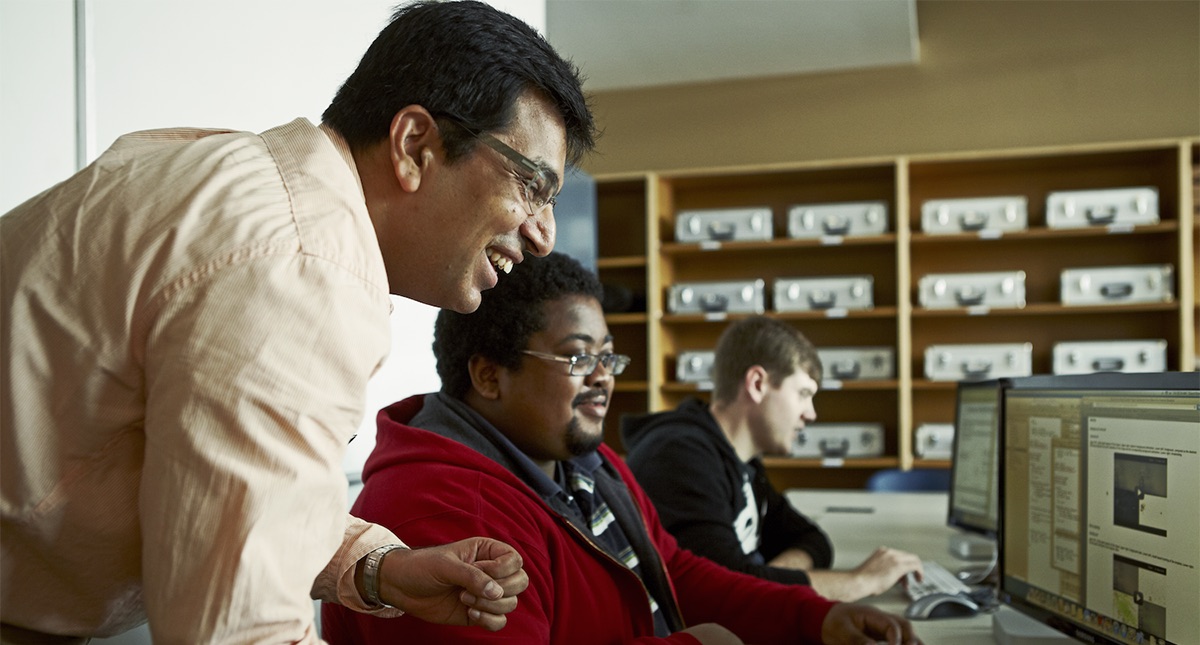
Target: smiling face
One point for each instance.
(451, 227)
(547, 413)
(783, 412)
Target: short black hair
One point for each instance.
(467, 63)
(507, 316)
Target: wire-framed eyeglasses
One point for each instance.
(539, 183)
(585, 364)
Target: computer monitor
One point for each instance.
(974, 459)
(1100, 512)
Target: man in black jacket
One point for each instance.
(702, 466)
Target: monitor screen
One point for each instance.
(1100, 522)
(974, 459)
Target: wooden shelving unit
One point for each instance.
(638, 253)
(624, 258)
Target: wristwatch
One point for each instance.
(371, 573)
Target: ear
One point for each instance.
(755, 383)
(485, 377)
(412, 139)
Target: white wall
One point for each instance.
(241, 64)
(37, 97)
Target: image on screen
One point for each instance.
(1140, 492)
(1139, 595)
(1100, 511)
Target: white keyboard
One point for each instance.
(937, 580)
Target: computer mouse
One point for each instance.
(941, 605)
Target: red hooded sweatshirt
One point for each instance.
(431, 490)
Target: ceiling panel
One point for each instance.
(621, 44)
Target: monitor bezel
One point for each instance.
(952, 519)
(1135, 381)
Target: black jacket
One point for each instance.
(695, 479)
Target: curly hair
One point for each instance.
(462, 60)
(775, 345)
(507, 316)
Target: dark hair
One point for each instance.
(775, 345)
(461, 60)
(507, 316)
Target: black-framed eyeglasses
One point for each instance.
(539, 184)
(585, 364)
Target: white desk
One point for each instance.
(860, 521)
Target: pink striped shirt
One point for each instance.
(188, 328)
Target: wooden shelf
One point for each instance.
(690, 248)
(919, 238)
(636, 232)
(1044, 309)
(873, 463)
(686, 388)
(877, 312)
(926, 384)
(636, 318)
(863, 385)
(841, 386)
(623, 262)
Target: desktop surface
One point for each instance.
(859, 521)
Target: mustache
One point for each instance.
(599, 393)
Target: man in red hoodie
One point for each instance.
(512, 447)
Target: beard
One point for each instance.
(579, 441)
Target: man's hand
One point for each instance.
(885, 567)
(470, 582)
(848, 624)
(875, 575)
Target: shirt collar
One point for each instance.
(343, 148)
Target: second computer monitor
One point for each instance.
(974, 481)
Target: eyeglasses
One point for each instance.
(585, 364)
(538, 182)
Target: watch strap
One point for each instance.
(374, 560)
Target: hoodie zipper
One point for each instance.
(596, 547)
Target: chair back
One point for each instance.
(922, 479)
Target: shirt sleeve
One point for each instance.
(256, 371)
(683, 475)
(785, 528)
(336, 582)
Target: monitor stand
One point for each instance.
(1011, 627)
(969, 546)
